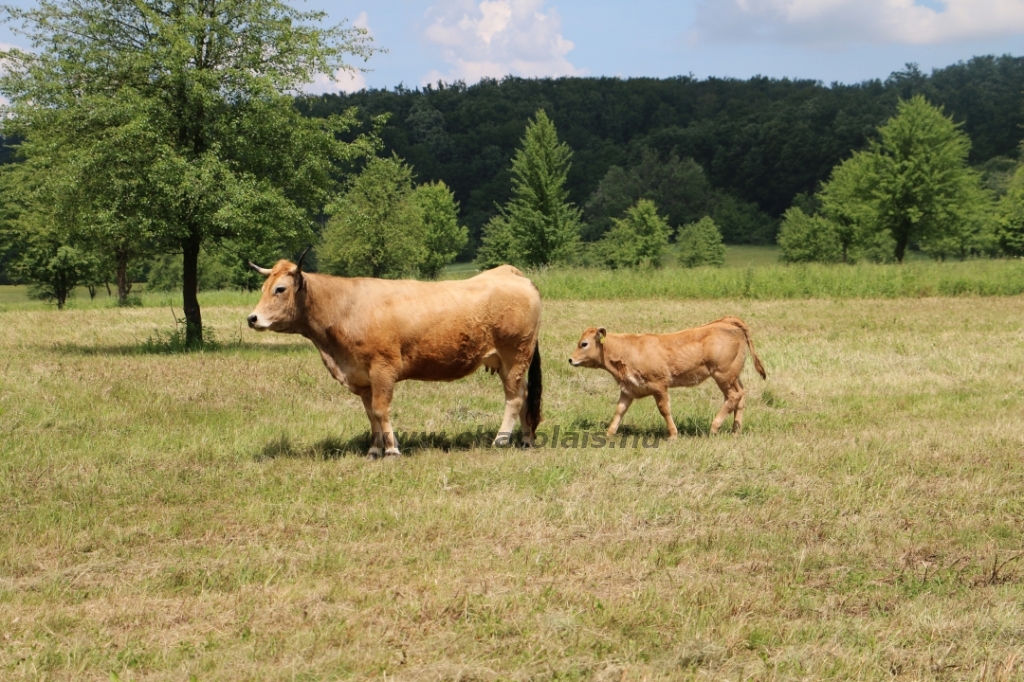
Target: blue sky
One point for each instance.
(827, 40)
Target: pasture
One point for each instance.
(211, 516)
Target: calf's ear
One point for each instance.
(601, 333)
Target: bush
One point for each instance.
(806, 239)
(638, 239)
(700, 243)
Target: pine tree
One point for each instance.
(544, 225)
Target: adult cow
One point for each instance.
(649, 364)
(373, 333)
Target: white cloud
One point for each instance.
(836, 23)
(495, 38)
(345, 80)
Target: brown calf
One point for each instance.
(650, 364)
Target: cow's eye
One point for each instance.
(279, 290)
(583, 345)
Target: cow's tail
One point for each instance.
(534, 389)
(737, 322)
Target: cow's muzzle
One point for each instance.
(252, 321)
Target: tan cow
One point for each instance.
(650, 364)
(373, 333)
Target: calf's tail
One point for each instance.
(737, 322)
(534, 388)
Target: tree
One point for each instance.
(848, 215)
(376, 228)
(637, 239)
(700, 243)
(498, 245)
(544, 225)
(1011, 216)
(918, 181)
(444, 238)
(209, 82)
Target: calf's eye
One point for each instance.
(583, 345)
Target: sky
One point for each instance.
(843, 41)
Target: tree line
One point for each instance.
(738, 150)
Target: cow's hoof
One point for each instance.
(375, 453)
(392, 452)
(673, 436)
(503, 440)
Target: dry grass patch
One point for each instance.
(212, 514)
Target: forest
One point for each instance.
(758, 143)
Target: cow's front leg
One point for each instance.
(665, 407)
(625, 400)
(376, 439)
(380, 405)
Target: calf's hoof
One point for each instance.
(503, 440)
(374, 452)
(391, 452)
(673, 436)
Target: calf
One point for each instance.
(650, 364)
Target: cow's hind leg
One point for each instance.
(732, 390)
(513, 380)
(624, 402)
(665, 407)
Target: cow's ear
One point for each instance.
(601, 333)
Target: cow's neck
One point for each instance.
(325, 299)
(610, 360)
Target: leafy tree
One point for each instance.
(678, 187)
(544, 225)
(1010, 225)
(376, 228)
(920, 186)
(849, 219)
(637, 239)
(444, 238)
(700, 243)
(226, 156)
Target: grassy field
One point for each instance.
(212, 517)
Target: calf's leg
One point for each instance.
(625, 401)
(665, 407)
(732, 389)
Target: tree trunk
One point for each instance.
(901, 246)
(190, 291)
(124, 287)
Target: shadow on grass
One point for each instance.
(687, 426)
(409, 443)
(149, 347)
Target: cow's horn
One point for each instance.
(263, 271)
(302, 257)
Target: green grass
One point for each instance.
(750, 272)
(211, 516)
